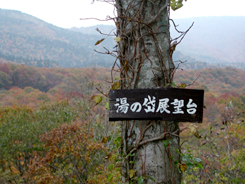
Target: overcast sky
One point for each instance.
(67, 13)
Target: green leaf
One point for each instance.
(140, 180)
(96, 99)
(179, 5)
(111, 167)
(176, 163)
(176, 4)
(110, 176)
(199, 165)
(172, 6)
(107, 105)
(131, 155)
(197, 160)
(173, 84)
(190, 165)
(131, 173)
(182, 85)
(166, 142)
(116, 85)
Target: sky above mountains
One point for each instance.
(67, 14)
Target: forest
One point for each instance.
(52, 131)
(54, 112)
(25, 39)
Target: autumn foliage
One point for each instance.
(50, 131)
(71, 155)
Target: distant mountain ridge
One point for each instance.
(215, 40)
(106, 29)
(24, 39)
(24, 36)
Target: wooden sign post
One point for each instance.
(169, 104)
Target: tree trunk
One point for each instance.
(145, 62)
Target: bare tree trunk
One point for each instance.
(145, 62)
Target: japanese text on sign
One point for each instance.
(149, 105)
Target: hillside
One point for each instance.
(216, 41)
(27, 40)
(92, 29)
(213, 39)
(48, 120)
(45, 79)
(212, 42)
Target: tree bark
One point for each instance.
(145, 62)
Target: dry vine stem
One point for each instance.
(144, 53)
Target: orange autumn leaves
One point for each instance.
(71, 154)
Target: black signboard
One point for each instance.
(169, 104)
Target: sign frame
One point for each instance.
(172, 109)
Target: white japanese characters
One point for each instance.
(149, 105)
(191, 107)
(178, 104)
(136, 107)
(122, 106)
(163, 105)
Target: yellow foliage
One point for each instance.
(183, 167)
(115, 85)
(117, 39)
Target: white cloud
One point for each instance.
(64, 13)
